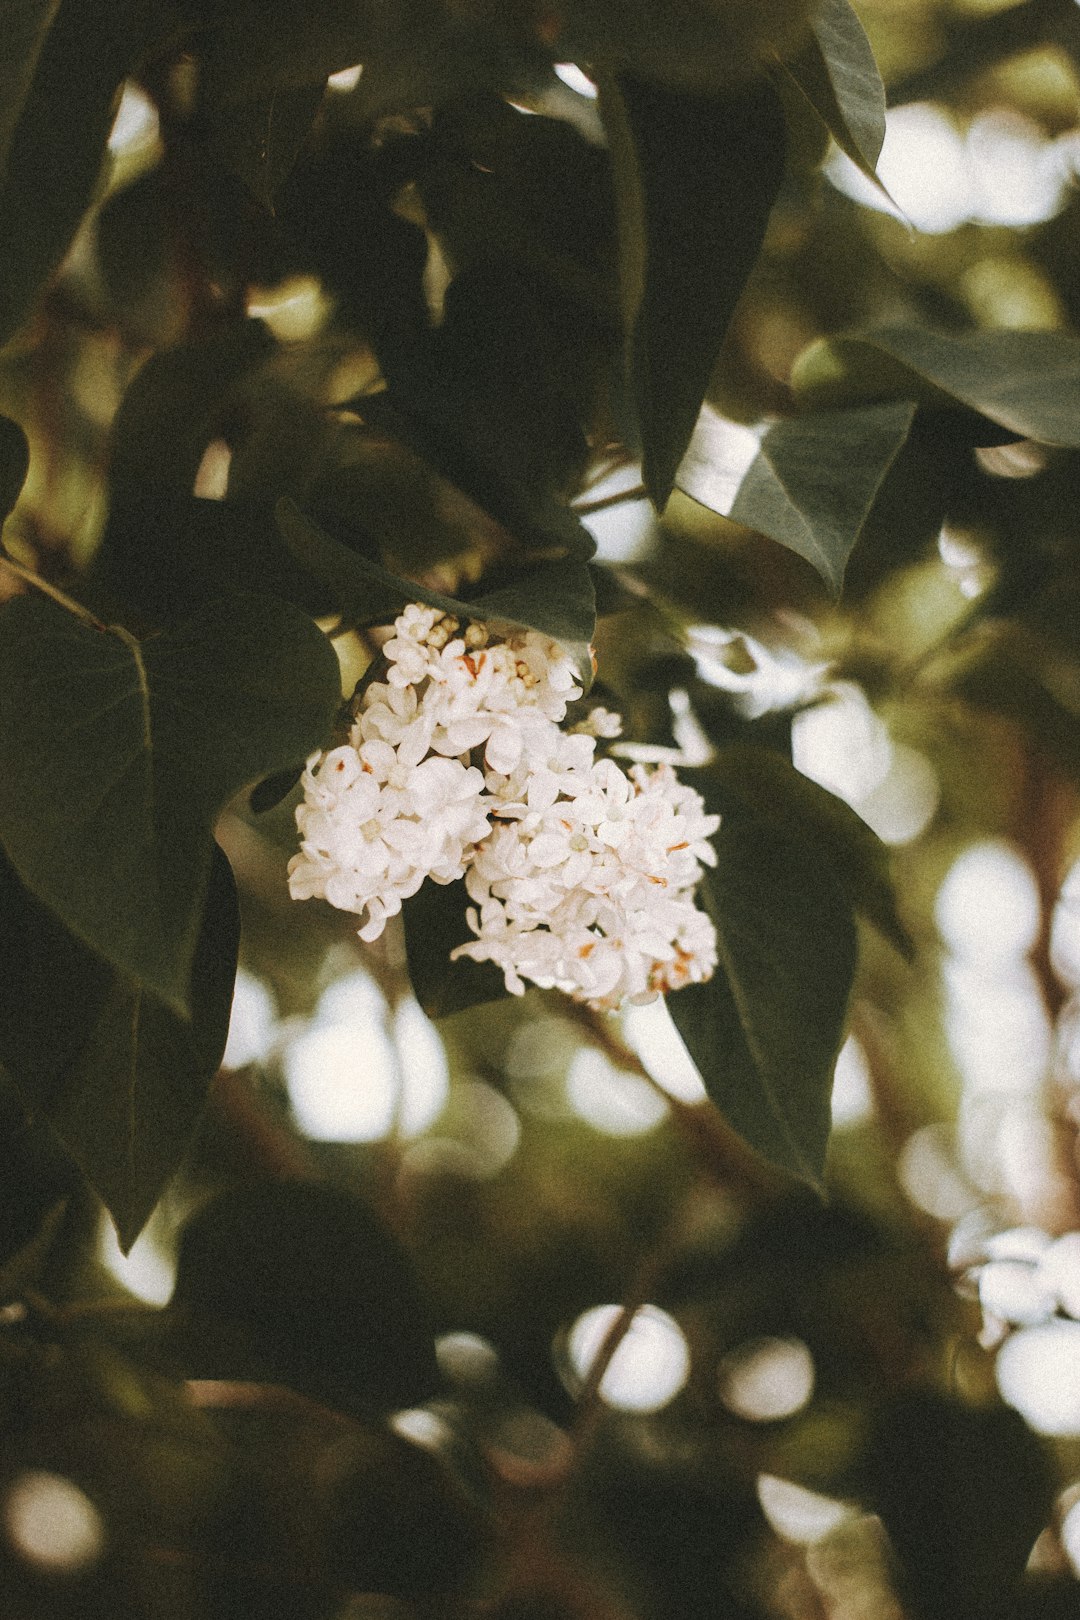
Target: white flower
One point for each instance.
(372, 829)
(590, 889)
(582, 874)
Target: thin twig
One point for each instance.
(636, 492)
(29, 577)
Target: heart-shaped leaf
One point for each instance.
(812, 484)
(119, 1077)
(117, 756)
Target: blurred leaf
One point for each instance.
(255, 48)
(963, 1494)
(557, 598)
(696, 177)
(399, 1521)
(837, 74)
(14, 464)
(1026, 382)
(164, 556)
(696, 45)
(434, 921)
(260, 140)
(27, 23)
(766, 1029)
(746, 778)
(117, 757)
(175, 406)
(68, 83)
(321, 1292)
(117, 1075)
(21, 1270)
(36, 1177)
(534, 515)
(812, 484)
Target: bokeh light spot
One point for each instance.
(148, 1270)
(251, 1022)
(649, 1030)
(650, 1365)
(611, 1099)
(797, 1514)
(52, 1524)
(425, 1073)
(987, 908)
(765, 1380)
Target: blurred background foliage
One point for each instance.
(345, 1369)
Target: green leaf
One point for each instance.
(315, 1288)
(696, 177)
(745, 778)
(14, 463)
(963, 1492)
(256, 47)
(812, 484)
(766, 1029)
(120, 1079)
(434, 920)
(838, 76)
(65, 83)
(117, 756)
(259, 140)
(557, 599)
(26, 24)
(36, 1177)
(1026, 382)
(174, 407)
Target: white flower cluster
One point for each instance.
(582, 876)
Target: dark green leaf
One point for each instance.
(812, 484)
(963, 1493)
(766, 1029)
(116, 758)
(22, 1269)
(696, 177)
(1026, 382)
(26, 24)
(258, 47)
(259, 140)
(557, 598)
(120, 1079)
(176, 405)
(36, 1177)
(477, 461)
(749, 779)
(321, 1293)
(14, 462)
(837, 74)
(434, 920)
(68, 83)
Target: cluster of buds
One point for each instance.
(582, 875)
